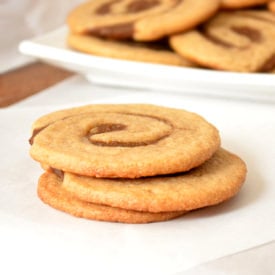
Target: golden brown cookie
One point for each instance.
(215, 181)
(139, 19)
(123, 140)
(239, 4)
(240, 41)
(51, 192)
(153, 52)
(271, 5)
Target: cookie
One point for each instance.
(215, 181)
(153, 52)
(271, 6)
(239, 4)
(241, 41)
(123, 140)
(143, 20)
(51, 192)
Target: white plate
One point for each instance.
(52, 48)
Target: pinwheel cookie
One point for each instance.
(240, 41)
(139, 19)
(130, 141)
(213, 182)
(132, 163)
(153, 52)
(147, 199)
(51, 191)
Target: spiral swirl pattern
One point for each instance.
(234, 41)
(143, 20)
(123, 140)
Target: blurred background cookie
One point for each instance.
(143, 20)
(153, 52)
(271, 5)
(241, 41)
(239, 4)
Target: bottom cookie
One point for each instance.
(51, 192)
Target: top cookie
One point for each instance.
(139, 19)
(129, 141)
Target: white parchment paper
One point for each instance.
(46, 241)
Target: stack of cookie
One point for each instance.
(230, 35)
(132, 163)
